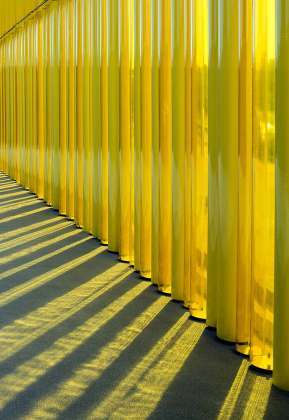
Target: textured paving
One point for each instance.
(83, 337)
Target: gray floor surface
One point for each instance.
(84, 337)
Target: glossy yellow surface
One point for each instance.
(281, 292)
(223, 167)
(263, 199)
(142, 139)
(197, 169)
(151, 124)
(245, 179)
(113, 127)
(178, 148)
(165, 148)
(125, 132)
(155, 141)
(213, 175)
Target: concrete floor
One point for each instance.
(83, 337)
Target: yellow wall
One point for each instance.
(157, 137)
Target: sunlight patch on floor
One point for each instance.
(258, 399)
(139, 393)
(32, 236)
(40, 245)
(30, 202)
(27, 329)
(24, 214)
(17, 234)
(30, 371)
(234, 392)
(84, 375)
(38, 281)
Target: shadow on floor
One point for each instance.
(83, 337)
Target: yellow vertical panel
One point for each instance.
(40, 106)
(213, 150)
(8, 102)
(137, 135)
(131, 82)
(63, 108)
(178, 148)
(228, 90)
(71, 64)
(88, 152)
(165, 149)
(199, 188)
(28, 105)
(146, 142)
(34, 137)
(188, 154)
(281, 292)
(263, 183)
(245, 179)
(22, 119)
(18, 102)
(13, 109)
(3, 131)
(104, 124)
(125, 131)
(48, 148)
(155, 140)
(55, 120)
(97, 179)
(3, 108)
(113, 127)
(14, 52)
(32, 106)
(78, 205)
(45, 120)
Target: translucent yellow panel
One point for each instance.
(245, 179)
(88, 151)
(142, 139)
(178, 147)
(54, 104)
(71, 109)
(137, 135)
(155, 141)
(48, 155)
(196, 163)
(40, 106)
(63, 106)
(113, 127)
(213, 207)
(125, 143)
(281, 321)
(146, 141)
(162, 138)
(222, 275)
(263, 183)
(79, 155)
(96, 144)
(104, 125)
